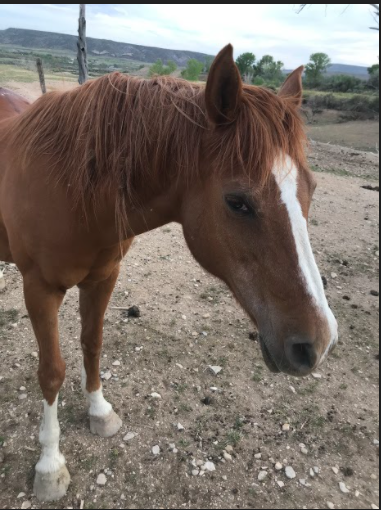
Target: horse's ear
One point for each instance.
(223, 88)
(292, 88)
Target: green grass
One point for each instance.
(341, 172)
(233, 438)
(310, 389)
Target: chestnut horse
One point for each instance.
(87, 170)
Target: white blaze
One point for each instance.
(286, 175)
(99, 406)
(51, 459)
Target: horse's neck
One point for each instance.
(143, 213)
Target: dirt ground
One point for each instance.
(188, 322)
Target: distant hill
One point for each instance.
(358, 71)
(96, 47)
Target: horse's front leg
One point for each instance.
(94, 298)
(43, 301)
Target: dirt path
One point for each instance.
(190, 321)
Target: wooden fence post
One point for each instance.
(41, 76)
(82, 45)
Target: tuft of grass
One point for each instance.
(8, 317)
(310, 389)
(233, 438)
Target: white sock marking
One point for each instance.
(51, 459)
(286, 175)
(99, 407)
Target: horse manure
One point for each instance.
(207, 401)
(133, 312)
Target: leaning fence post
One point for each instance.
(41, 76)
(82, 45)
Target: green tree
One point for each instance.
(374, 76)
(207, 64)
(315, 69)
(193, 70)
(269, 69)
(245, 64)
(159, 69)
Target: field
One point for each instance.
(188, 322)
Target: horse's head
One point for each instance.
(247, 220)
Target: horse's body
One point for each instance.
(11, 103)
(83, 172)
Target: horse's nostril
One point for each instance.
(302, 356)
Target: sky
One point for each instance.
(340, 30)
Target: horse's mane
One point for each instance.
(119, 134)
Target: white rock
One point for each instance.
(129, 437)
(293, 389)
(280, 483)
(317, 470)
(156, 450)
(229, 449)
(344, 489)
(23, 396)
(330, 505)
(26, 505)
(107, 376)
(278, 466)
(22, 388)
(195, 472)
(199, 463)
(156, 396)
(258, 456)
(180, 427)
(35, 354)
(214, 389)
(209, 466)
(312, 473)
(335, 470)
(304, 451)
(374, 507)
(227, 456)
(262, 476)
(102, 480)
(376, 442)
(116, 363)
(215, 369)
(286, 427)
(290, 473)
(21, 495)
(304, 482)
(317, 376)
(334, 275)
(206, 316)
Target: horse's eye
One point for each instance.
(238, 205)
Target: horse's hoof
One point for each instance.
(51, 486)
(105, 426)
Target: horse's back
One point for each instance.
(11, 104)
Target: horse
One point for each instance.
(11, 103)
(89, 169)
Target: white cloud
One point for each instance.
(341, 32)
